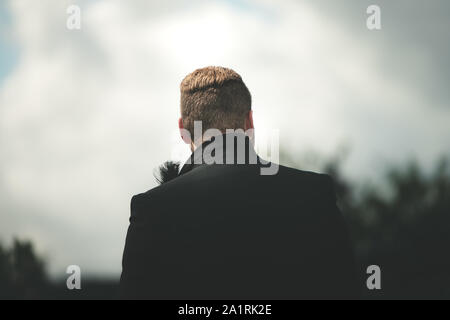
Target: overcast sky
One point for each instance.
(86, 115)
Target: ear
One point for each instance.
(249, 121)
(185, 134)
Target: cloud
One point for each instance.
(87, 115)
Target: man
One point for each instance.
(221, 229)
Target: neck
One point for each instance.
(228, 148)
(249, 134)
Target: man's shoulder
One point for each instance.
(308, 179)
(145, 199)
(164, 195)
(286, 178)
(308, 175)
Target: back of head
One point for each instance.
(217, 96)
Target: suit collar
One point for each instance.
(202, 154)
(195, 159)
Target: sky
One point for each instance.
(87, 115)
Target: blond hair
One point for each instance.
(217, 96)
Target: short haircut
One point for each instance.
(217, 96)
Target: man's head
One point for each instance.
(218, 98)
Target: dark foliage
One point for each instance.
(167, 171)
(22, 273)
(404, 228)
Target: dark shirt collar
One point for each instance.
(239, 146)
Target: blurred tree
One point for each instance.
(404, 227)
(22, 272)
(5, 273)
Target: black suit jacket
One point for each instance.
(223, 231)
